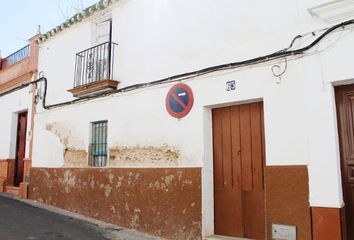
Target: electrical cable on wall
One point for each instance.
(284, 53)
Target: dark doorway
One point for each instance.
(345, 115)
(20, 147)
(238, 144)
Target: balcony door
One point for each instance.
(94, 64)
(103, 39)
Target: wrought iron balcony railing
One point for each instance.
(15, 57)
(94, 64)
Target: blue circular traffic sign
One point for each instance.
(179, 100)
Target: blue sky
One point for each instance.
(19, 19)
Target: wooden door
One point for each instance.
(345, 115)
(20, 147)
(239, 200)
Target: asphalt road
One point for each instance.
(19, 221)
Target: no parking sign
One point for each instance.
(179, 100)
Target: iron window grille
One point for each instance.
(98, 144)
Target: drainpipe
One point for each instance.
(34, 48)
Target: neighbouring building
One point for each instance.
(188, 119)
(16, 97)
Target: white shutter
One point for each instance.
(103, 32)
(103, 35)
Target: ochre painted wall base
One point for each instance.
(326, 223)
(287, 199)
(163, 202)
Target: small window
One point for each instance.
(98, 144)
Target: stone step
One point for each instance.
(219, 237)
(12, 189)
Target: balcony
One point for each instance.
(19, 67)
(94, 71)
(15, 57)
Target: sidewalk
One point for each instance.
(23, 219)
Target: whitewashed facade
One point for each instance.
(17, 71)
(157, 39)
(11, 105)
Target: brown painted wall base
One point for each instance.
(287, 199)
(23, 191)
(161, 202)
(326, 223)
(27, 164)
(7, 171)
(2, 185)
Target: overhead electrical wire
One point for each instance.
(266, 58)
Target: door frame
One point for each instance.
(17, 144)
(208, 161)
(339, 117)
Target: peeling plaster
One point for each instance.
(131, 197)
(75, 158)
(73, 155)
(144, 156)
(135, 219)
(168, 179)
(111, 177)
(60, 131)
(113, 209)
(69, 181)
(107, 189)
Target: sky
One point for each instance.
(19, 19)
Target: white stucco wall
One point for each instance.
(162, 38)
(58, 57)
(10, 106)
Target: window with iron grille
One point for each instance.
(98, 144)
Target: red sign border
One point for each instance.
(188, 107)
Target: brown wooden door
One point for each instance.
(20, 147)
(239, 200)
(345, 115)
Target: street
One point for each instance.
(20, 221)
